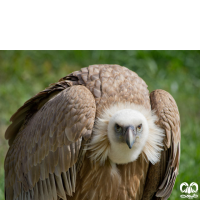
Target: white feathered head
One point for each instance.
(123, 132)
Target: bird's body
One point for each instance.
(93, 135)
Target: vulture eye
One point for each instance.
(139, 128)
(118, 128)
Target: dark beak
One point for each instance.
(130, 136)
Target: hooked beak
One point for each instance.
(130, 136)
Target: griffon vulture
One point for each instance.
(96, 134)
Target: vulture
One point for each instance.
(96, 134)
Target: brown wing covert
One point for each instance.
(161, 177)
(40, 163)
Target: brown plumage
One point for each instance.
(60, 146)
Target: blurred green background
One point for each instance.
(25, 73)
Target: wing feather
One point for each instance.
(48, 146)
(167, 170)
(33, 104)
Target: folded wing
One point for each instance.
(42, 160)
(161, 176)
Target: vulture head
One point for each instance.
(123, 132)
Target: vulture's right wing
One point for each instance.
(42, 161)
(161, 176)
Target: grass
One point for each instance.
(25, 73)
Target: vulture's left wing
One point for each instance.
(161, 176)
(42, 161)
